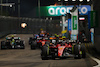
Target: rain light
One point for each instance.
(81, 18)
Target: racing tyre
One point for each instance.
(3, 45)
(39, 45)
(44, 53)
(76, 52)
(30, 40)
(21, 42)
(33, 45)
(53, 56)
(83, 49)
(22, 45)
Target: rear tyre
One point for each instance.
(30, 40)
(76, 52)
(39, 45)
(3, 46)
(33, 45)
(83, 49)
(44, 53)
(53, 56)
(22, 45)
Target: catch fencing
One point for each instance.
(12, 25)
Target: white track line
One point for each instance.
(95, 59)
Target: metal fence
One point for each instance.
(13, 25)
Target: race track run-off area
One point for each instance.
(31, 58)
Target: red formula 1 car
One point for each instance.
(38, 42)
(62, 49)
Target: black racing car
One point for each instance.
(12, 43)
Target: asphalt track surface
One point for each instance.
(31, 58)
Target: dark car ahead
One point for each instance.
(12, 43)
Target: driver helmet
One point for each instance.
(12, 35)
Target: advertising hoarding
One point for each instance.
(69, 24)
(92, 19)
(62, 10)
(75, 22)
